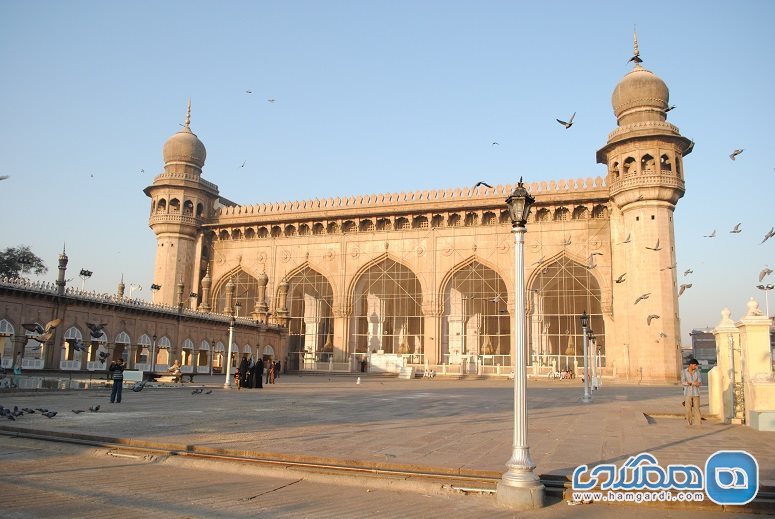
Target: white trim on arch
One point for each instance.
(6, 328)
(123, 338)
(268, 350)
(205, 346)
(188, 344)
(164, 342)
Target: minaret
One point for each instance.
(644, 156)
(120, 288)
(61, 276)
(180, 203)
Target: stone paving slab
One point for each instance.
(460, 426)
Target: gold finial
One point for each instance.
(636, 53)
(187, 126)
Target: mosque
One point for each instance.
(427, 278)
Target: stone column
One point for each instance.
(261, 309)
(281, 312)
(758, 391)
(720, 389)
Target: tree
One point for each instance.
(16, 261)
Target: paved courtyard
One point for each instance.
(418, 424)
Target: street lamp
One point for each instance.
(766, 288)
(85, 274)
(592, 357)
(584, 318)
(234, 314)
(520, 488)
(133, 287)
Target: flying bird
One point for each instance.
(735, 154)
(766, 271)
(642, 296)
(103, 355)
(567, 242)
(769, 234)
(271, 100)
(711, 235)
(628, 239)
(142, 171)
(79, 345)
(621, 279)
(651, 318)
(36, 328)
(243, 163)
(683, 287)
(687, 272)
(669, 267)
(569, 123)
(481, 183)
(539, 261)
(495, 143)
(689, 148)
(248, 91)
(672, 107)
(591, 260)
(95, 329)
(4, 177)
(736, 230)
(655, 247)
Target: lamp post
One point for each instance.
(234, 313)
(133, 287)
(584, 318)
(154, 288)
(592, 357)
(519, 487)
(84, 275)
(766, 288)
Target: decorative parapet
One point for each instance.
(407, 201)
(186, 176)
(645, 125)
(43, 287)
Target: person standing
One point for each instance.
(116, 370)
(243, 373)
(277, 370)
(691, 381)
(259, 372)
(269, 368)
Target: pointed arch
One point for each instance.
(386, 300)
(245, 290)
(558, 291)
(475, 318)
(309, 302)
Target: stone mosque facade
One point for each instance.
(426, 278)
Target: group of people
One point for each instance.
(251, 374)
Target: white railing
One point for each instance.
(7, 363)
(95, 365)
(186, 369)
(32, 363)
(70, 364)
(142, 366)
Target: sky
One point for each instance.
(374, 97)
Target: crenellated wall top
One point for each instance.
(404, 201)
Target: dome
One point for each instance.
(640, 91)
(185, 147)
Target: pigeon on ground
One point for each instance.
(94, 409)
(10, 417)
(138, 386)
(50, 414)
(28, 410)
(209, 392)
(197, 391)
(78, 411)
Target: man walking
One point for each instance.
(690, 379)
(116, 370)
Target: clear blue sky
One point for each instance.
(376, 96)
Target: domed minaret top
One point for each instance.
(184, 151)
(640, 96)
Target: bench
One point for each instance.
(132, 375)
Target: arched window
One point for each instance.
(420, 222)
(471, 219)
(161, 206)
(200, 210)
(437, 220)
(542, 215)
(561, 214)
(250, 233)
(664, 164)
(629, 166)
(384, 224)
(488, 218)
(318, 228)
(367, 226)
(303, 229)
(309, 304)
(647, 163)
(402, 223)
(174, 205)
(263, 232)
(600, 211)
(236, 234)
(276, 231)
(580, 213)
(332, 228)
(245, 292)
(290, 230)
(615, 170)
(453, 220)
(188, 208)
(223, 235)
(348, 226)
